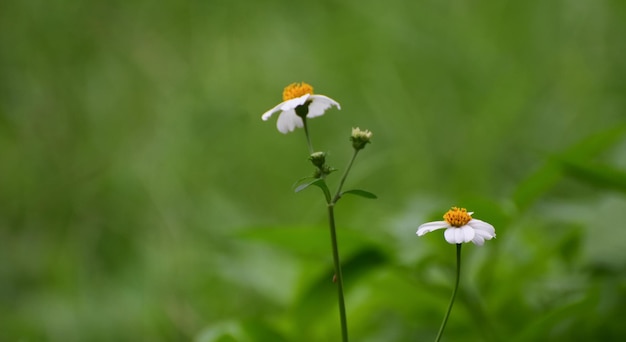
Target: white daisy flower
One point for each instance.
(461, 227)
(299, 101)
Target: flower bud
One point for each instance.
(360, 138)
(318, 159)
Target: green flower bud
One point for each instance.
(318, 159)
(323, 171)
(360, 138)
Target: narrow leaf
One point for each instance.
(361, 193)
(304, 186)
(603, 176)
(300, 182)
(320, 183)
(541, 181)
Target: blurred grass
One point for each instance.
(133, 160)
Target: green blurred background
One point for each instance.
(143, 199)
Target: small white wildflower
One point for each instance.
(461, 227)
(299, 101)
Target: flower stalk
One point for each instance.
(299, 104)
(345, 175)
(461, 228)
(335, 248)
(308, 137)
(339, 277)
(456, 287)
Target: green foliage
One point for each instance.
(142, 198)
(598, 175)
(361, 193)
(318, 182)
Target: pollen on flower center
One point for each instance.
(295, 90)
(457, 217)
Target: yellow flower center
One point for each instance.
(457, 217)
(295, 90)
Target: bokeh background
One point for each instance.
(143, 199)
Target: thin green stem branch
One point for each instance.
(456, 287)
(345, 175)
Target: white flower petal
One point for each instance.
(288, 121)
(483, 228)
(269, 113)
(431, 226)
(478, 239)
(319, 104)
(480, 236)
(484, 234)
(293, 103)
(468, 232)
(450, 235)
(456, 235)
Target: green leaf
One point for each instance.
(250, 330)
(603, 176)
(318, 182)
(300, 183)
(541, 181)
(361, 193)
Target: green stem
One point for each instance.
(456, 286)
(345, 175)
(337, 264)
(336, 261)
(308, 138)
